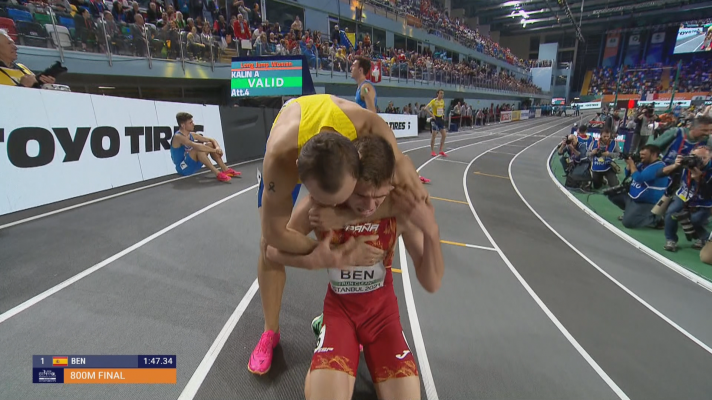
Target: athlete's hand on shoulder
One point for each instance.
(358, 253)
(325, 218)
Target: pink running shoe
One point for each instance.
(232, 172)
(261, 358)
(424, 179)
(223, 177)
(433, 154)
(442, 154)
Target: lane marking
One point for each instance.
(607, 379)
(448, 200)
(422, 356)
(86, 203)
(499, 152)
(451, 161)
(193, 385)
(36, 299)
(692, 276)
(490, 175)
(472, 246)
(199, 375)
(396, 270)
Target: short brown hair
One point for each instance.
(326, 157)
(183, 117)
(378, 161)
(365, 64)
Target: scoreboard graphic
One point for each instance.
(103, 369)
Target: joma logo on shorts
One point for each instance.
(362, 228)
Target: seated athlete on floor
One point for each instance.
(360, 304)
(189, 154)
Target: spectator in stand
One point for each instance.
(13, 73)
(297, 27)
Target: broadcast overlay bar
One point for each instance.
(104, 369)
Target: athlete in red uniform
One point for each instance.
(360, 304)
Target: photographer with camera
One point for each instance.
(644, 128)
(647, 186)
(693, 200)
(602, 152)
(681, 141)
(572, 150)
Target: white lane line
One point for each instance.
(425, 373)
(601, 270)
(36, 299)
(196, 380)
(451, 161)
(617, 390)
(704, 283)
(86, 203)
(191, 389)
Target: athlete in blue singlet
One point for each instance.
(189, 154)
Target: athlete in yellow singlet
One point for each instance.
(436, 109)
(311, 143)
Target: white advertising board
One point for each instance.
(72, 144)
(505, 116)
(403, 126)
(589, 106)
(524, 115)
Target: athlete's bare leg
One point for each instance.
(433, 135)
(443, 134)
(324, 384)
(203, 158)
(271, 277)
(399, 389)
(218, 159)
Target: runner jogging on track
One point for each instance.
(366, 95)
(436, 109)
(311, 140)
(190, 151)
(360, 303)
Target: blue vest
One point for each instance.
(178, 153)
(643, 192)
(587, 140)
(598, 162)
(689, 191)
(360, 101)
(680, 146)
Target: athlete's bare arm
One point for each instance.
(353, 252)
(197, 146)
(422, 242)
(280, 177)
(368, 94)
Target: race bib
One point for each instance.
(440, 111)
(183, 165)
(357, 279)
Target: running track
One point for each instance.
(539, 301)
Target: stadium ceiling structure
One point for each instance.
(529, 16)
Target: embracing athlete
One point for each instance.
(311, 143)
(360, 306)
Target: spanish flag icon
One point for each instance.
(59, 361)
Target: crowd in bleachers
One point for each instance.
(437, 22)
(694, 77)
(203, 34)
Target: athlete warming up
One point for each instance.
(436, 109)
(311, 142)
(366, 95)
(360, 304)
(190, 150)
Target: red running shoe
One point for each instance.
(223, 177)
(442, 154)
(232, 172)
(261, 358)
(424, 179)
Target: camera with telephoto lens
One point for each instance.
(683, 217)
(691, 161)
(616, 190)
(633, 156)
(567, 140)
